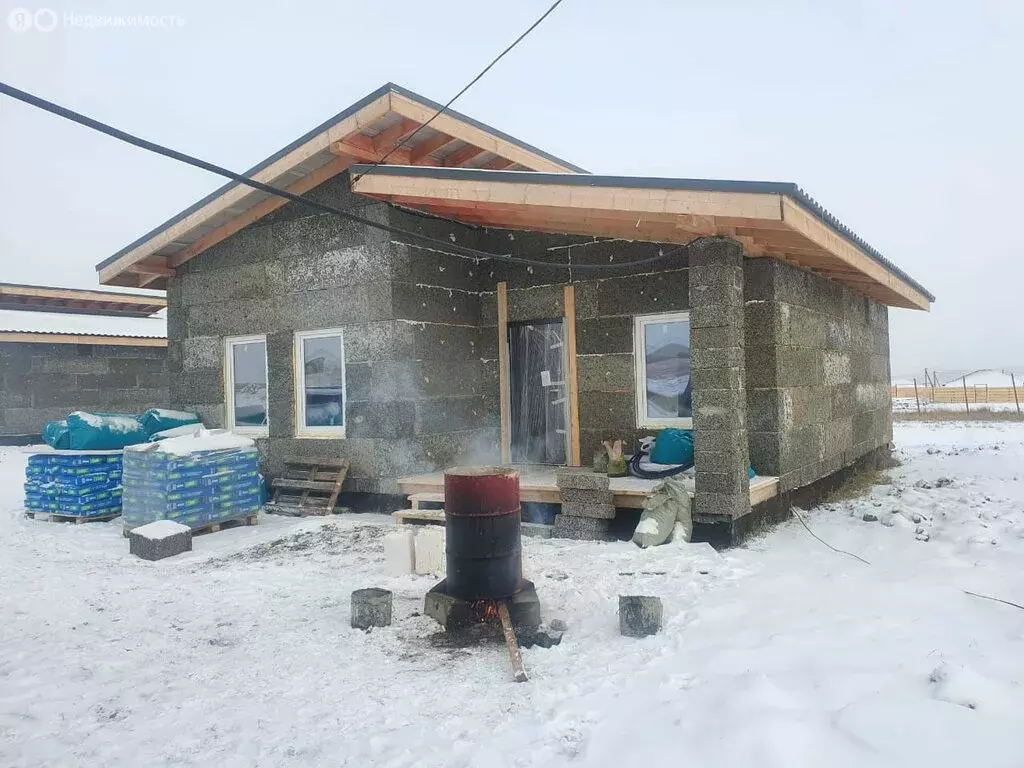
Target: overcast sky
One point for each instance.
(902, 118)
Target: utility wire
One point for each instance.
(858, 557)
(469, 85)
(441, 245)
(834, 549)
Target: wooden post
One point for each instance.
(966, 404)
(917, 396)
(513, 645)
(506, 417)
(574, 392)
(1016, 400)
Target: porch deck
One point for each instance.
(538, 485)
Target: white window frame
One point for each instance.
(299, 365)
(640, 322)
(229, 385)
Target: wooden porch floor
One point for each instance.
(538, 485)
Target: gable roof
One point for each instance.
(770, 219)
(377, 124)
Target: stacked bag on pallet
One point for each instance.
(198, 479)
(84, 485)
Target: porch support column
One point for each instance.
(718, 380)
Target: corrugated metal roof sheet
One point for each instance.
(15, 321)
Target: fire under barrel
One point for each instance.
(482, 530)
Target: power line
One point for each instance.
(469, 85)
(441, 245)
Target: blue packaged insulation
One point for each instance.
(74, 485)
(195, 488)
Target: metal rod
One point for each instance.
(1015, 398)
(513, 645)
(966, 404)
(917, 397)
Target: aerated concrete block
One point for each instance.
(430, 551)
(160, 539)
(400, 553)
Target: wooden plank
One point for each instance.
(503, 394)
(67, 338)
(518, 673)
(286, 483)
(80, 295)
(762, 489)
(419, 515)
(754, 206)
(828, 239)
(323, 461)
(574, 391)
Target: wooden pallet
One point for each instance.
(233, 522)
(308, 486)
(56, 517)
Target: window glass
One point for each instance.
(323, 383)
(667, 369)
(249, 383)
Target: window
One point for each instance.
(662, 352)
(246, 379)
(319, 384)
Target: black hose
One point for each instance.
(653, 474)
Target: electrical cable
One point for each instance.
(469, 85)
(441, 245)
(834, 549)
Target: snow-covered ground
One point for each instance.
(909, 405)
(780, 653)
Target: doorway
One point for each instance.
(538, 392)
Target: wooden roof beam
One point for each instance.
(461, 155)
(427, 147)
(395, 135)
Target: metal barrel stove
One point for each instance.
(482, 529)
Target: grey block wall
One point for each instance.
(45, 382)
(419, 393)
(719, 379)
(817, 359)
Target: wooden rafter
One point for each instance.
(390, 137)
(461, 156)
(67, 338)
(427, 147)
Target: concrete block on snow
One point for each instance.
(160, 539)
(581, 528)
(400, 553)
(430, 551)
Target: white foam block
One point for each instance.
(430, 550)
(399, 553)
